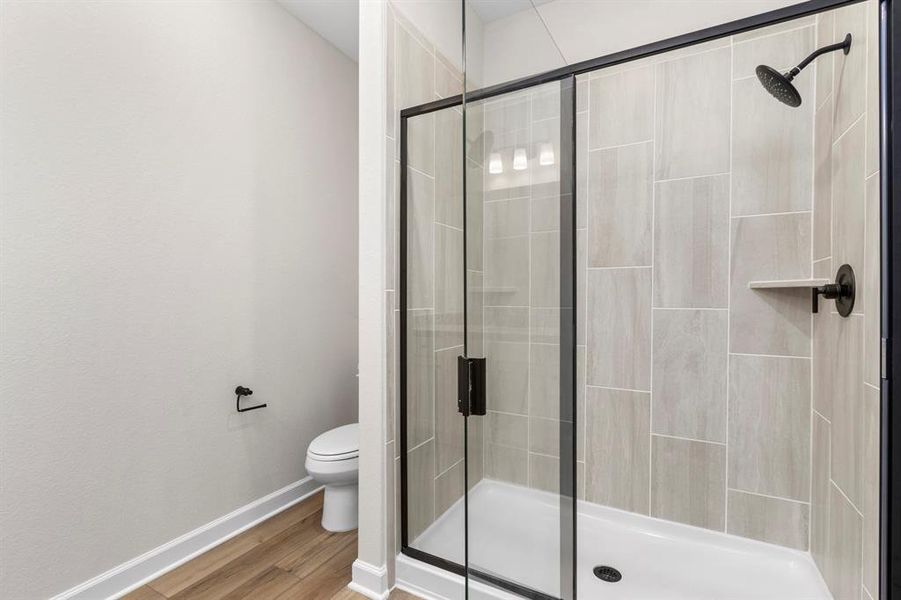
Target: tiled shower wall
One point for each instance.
(845, 476)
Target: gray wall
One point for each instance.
(178, 217)
(845, 485)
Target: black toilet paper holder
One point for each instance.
(240, 392)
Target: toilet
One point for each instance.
(332, 460)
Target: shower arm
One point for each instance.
(844, 45)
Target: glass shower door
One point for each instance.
(520, 253)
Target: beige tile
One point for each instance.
(688, 482)
(420, 377)
(420, 240)
(415, 70)
(619, 328)
(849, 71)
(872, 285)
(545, 214)
(782, 51)
(545, 101)
(421, 488)
(474, 315)
(449, 167)
(448, 422)
(583, 82)
(622, 108)
(767, 519)
(827, 335)
(820, 485)
(391, 486)
(507, 354)
(691, 243)
(769, 426)
(544, 324)
(620, 204)
(475, 450)
(822, 181)
(544, 436)
(581, 286)
(617, 448)
(690, 366)
(774, 321)
(509, 113)
(848, 414)
(391, 364)
(507, 464)
(870, 501)
(545, 270)
(823, 65)
(448, 80)
(848, 198)
(544, 381)
(873, 126)
(392, 216)
(507, 218)
(448, 488)
(843, 570)
(448, 287)
(391, 108)
(474, 216)
(581, 170)
(507, 271)
(507, 430)
(544, 473)
(693, 114)
(774, 29)
(421, 143)
(772, 150)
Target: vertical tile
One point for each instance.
(545, 101)
(391, 364)
(507, 353)
(825, 21)
(689, 374)
(619, 328)
(475, 456)
(622, 108)
(769, 426)
(827, 329)
(771, 321)
(850, 72)
(872, 18)
(843, 571)
(421, 488)
(448, 287)
(544, 436)
(391, 109)
(848, 198)
(474, 320)
(507, 430)
(688, 482)
(581, 285)
(448, 80)
(448, 422)
(768, 519)
(871, 490)
(545, 214)
(772, 150)
(507, 271)
(448, 489)
(420, 377)
(582, 119)
(848, 415)
(449, 167)
(544, 381)
(474, 217)
(691, 243)
(421, 143)
(782, 51)
(507, 464)
(420, 240)
(544, 281)
(620, 201)
(819, 501)
(392, 216)
(391, 485)
(872, 285)
(822, 181)
(693, 115)
(617, 448)
(415, 69)
(544, 473)
(506, 218)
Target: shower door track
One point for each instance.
(890, 146)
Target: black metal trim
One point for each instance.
(700, 36)
(402, 334)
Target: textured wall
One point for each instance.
(846, 379)
(178, 217)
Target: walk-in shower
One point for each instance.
(618, 375)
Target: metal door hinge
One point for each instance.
(470, 386)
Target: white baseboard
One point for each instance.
(130, 575)
(370, 580)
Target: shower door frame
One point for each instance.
(890, 264)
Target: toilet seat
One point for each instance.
(341, 443)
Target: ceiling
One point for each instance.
(335, 20)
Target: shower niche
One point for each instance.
(638, 252)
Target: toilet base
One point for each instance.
(339, 509)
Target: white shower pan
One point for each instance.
(514, 533)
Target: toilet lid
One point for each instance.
(337, 444)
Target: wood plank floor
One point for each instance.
(288, 557)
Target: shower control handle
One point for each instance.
(842, 291)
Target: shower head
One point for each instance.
(780, 86)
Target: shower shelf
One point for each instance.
(788, 283)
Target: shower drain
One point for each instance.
(608, 574)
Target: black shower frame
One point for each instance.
(890, 265)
